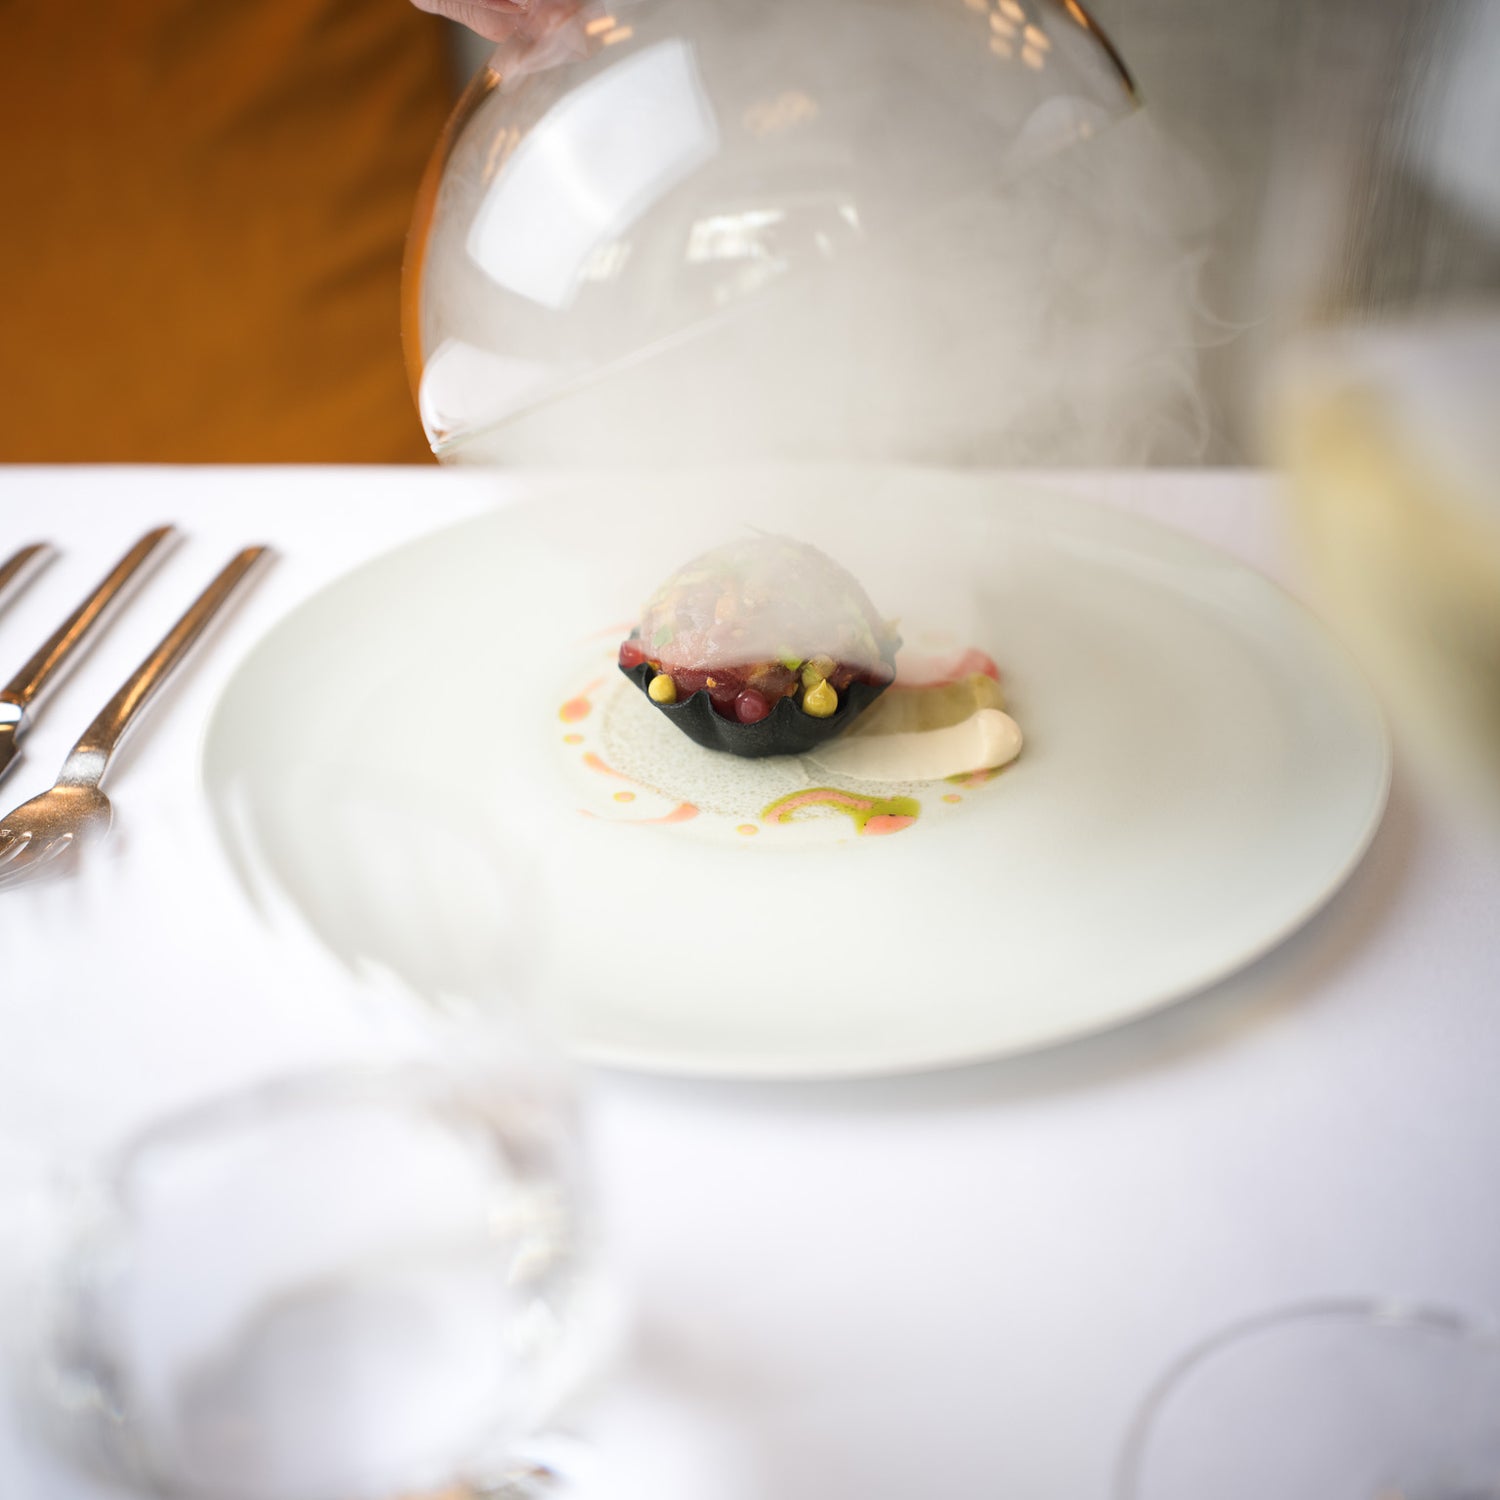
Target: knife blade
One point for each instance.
(23, 694)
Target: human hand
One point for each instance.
(496, 20)
(533, 34)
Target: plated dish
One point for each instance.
(1202, 770)
(766, 646)
(761, 646)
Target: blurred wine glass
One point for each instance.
(341, 1286)
(1384, 402)
(1339, 1400)
(318, 1227)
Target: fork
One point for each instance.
(23, 564)
(75, 811)
(22, 696)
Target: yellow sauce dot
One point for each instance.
(662, 689)
(572, 739)
(952, 797)
(748, 829)
(821, 702)
(624, 796)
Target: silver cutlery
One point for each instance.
(22, 695)
(75, 810)
(19, 567)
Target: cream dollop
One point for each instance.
(985, 740)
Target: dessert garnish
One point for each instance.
(765, 646)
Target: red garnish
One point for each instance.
(939, 671)
(973, 662)
(751, 707)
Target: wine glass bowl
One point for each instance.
(1383, 400)
(1338, 1400)
(343, 1285)
(308, 1224)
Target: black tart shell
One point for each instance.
(786, 730)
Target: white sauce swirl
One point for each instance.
(982, 742)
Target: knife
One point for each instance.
(23, 565)
(22, 695)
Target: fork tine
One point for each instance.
(34, 859)
(26, 869)
(14, 849)
(49, 852)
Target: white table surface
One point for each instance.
(958, 1284)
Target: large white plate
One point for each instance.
(1202, 770)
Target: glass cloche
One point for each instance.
(694, 231)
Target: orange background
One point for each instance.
(203, 205)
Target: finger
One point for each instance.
(495, 20)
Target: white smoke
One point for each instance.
(994, 315)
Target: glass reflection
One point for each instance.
(598, 160)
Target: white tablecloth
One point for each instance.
(958, 1284)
